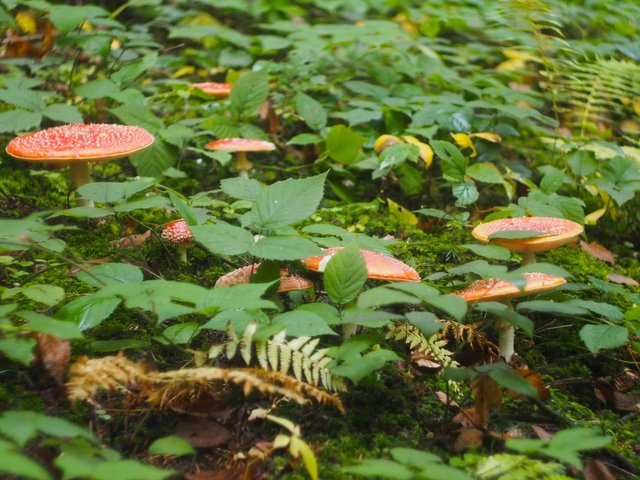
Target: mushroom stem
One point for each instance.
(80, 175)
(506, 337)
(182, 252)
(528, 258)
(242, 164)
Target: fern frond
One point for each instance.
(299, 356)
(433, 347)
(117, 374)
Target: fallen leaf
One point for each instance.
(226, 474)
(621, 279)
(202, 432)
(598, 251)
(614, 399)
(54, 354)
(96, 261)
(467, 417)
(597, 470)
(534, 379)
(541, 433)
(487, 395)
(425, 361)
(446, 399)
(468, 438)
(130, 241)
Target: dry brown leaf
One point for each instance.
(425, 361)
(541, 433)
(534, 379)
(226, 474)
(54, 354)
(487, 395)
(621, 279)
(202, 432)
(467, 417)
(614, 399)
(597, 470)
(598, 251)
(96, 261)
(468, 438)
(446, 399)
(131, 241)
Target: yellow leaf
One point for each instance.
(281, 441)
(308, 458)
(516, 60)
(636, 105)
(27, 22)
(86, 26)
(490, 137)
(594, 216)
(181, 72)
(404, 216)
(426, 152)
(464, 141)
(385, 141)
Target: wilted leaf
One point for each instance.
(132, 241)
(534, 379)
(202, 432)
(487, 395)
(597, 470)
(54, 353)
(598, 251)
(468, 438)
(621, 279)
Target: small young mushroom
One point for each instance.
(218, 90)
(288, 282)
(177, 233)
(78, 145)
(503, 291)
(554, 232)
(379, 266)
(241, 145)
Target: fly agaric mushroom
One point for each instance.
(503, 291)
(78, 145)
(218, 90)
(554, 232)
(379, 266)
(178, 234)
(241, 145)
(288, 282)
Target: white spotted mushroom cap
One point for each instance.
(177, 232)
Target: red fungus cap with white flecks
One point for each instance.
(91, 142)
(558, 232)
(214, 89)
(379, 266)
(288, 282)
(500, 290)
(177, 232)
(241, 145)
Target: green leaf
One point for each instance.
(88, 311)
(18, 465)
(305, 139)
(63, 113)
(112, 192)
(313, 114)
(450, 304)
(138, 116)
(552, 181)
(181, 333)
(133, 70)
(97, 88)
(106, 346)
(345, 275)
(494, 252)
(222, 238)
(343, 144)
(607, 310)
(155, 160)
(485, 172)
(287, 202)
(285, 247)
(83, 212)
(128, 470)
(361, 367)
(453, 163)
(516, 234)
(248, 93)
(242, 188)
(376, 297)
(545, 306)
(143, 203)
(19, 349)
(427, 322)
(303, 323)
(47, 294)
(111, 273)
(19, 120)
(601, 337)
(466, 193)
(171, 445)
(38, 322)
(67, 18)
(381, 468)
(413, 457)
(511, 380)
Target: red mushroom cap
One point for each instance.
(379, 266)
(241, 145)
(288, 282)
(218, 90)
(500, 290)
(92, 142)
(558, 232)
(177, 232)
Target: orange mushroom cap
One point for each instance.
(288, 282)
(558, 232)
(500, 290)
(241, 145)
(93, 142)
(177, 232)
(379, 266)
(218, 90)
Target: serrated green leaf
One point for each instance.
(311, 111)
(19, 120)
(171, 445)
(601, 337)
(495, 252)
(248, 93)
(222, 238)
(285, 247)
(345, 275)
(242, 188)
(343, 144)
